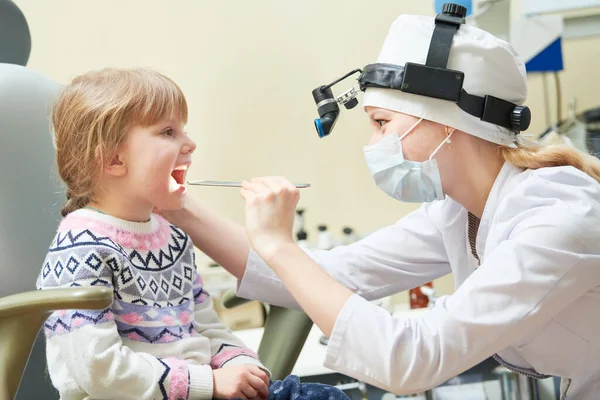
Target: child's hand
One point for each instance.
(244, 382)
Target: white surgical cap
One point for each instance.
(491, 67)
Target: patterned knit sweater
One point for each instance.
(160, 338)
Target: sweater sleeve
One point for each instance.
(84, 348)
(226, 348)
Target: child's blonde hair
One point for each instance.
(92, 116)
(552, 156)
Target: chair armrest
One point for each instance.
(82, 298)
(229, 299)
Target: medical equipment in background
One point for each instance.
(325, 239)
(581, 131)
(515, 386)
(592, 120)
(349, 236)
(537, 35)
(431, 79)
(301, 234)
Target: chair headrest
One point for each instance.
(31, 194)
(16, 46)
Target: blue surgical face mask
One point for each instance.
(407, 181)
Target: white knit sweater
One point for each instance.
(160, 338)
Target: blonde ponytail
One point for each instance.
(74, 203)
(552, 156)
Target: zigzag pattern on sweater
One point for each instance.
(82, 263)
(62, 322)
(163, 378)
(69, 239)
(152, 262)
(142, 260)
(156, 334)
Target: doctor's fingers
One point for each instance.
(285, 183)
(280, 187)
(247, 194)
(271, 189)
(276, 183)
(254, 186)
(256, 197)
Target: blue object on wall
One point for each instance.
(548, 60)
(465, 3)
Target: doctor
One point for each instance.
(518, 226)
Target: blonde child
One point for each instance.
(122, 151)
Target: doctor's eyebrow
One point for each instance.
(378, 115)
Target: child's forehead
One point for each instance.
(174, 118)
(160, 123)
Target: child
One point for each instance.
(122, 151)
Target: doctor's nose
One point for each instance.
(375, 137)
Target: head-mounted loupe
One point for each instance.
(432, 79)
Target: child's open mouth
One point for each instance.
(178, 175)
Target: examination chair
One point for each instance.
(284, 335)
(22, 315)
(30, 201)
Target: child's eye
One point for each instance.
(168, 132)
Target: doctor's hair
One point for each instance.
(552, 156)
(92, 116)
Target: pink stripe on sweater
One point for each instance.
(221, 358)
(179, 379)
(127, 239)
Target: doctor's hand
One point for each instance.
(270, 210)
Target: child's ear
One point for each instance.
(113, 165)
(116, 166)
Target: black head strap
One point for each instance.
(446, 25)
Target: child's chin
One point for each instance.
(172, 205)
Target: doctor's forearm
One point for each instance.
(220, 238)
(319, 294)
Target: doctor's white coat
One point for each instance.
(533, 299)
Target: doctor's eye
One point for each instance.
(380, 122)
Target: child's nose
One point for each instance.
(189, 146)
